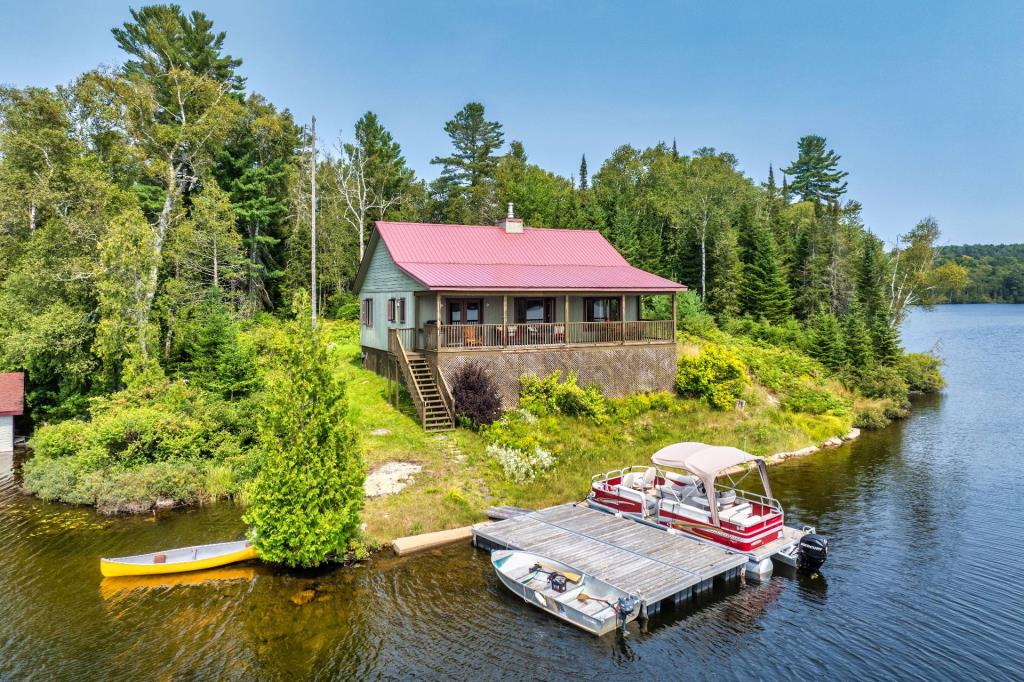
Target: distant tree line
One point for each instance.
(995, 272)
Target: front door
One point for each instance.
(465, 310)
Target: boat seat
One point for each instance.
(629, 480)
(731, 513)
(680, 480)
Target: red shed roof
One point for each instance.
(476, 257)
(12, 394)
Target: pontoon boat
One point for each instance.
(742, 521)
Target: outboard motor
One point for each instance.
(812, 552)
(624, 608)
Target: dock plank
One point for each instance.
(647, 562)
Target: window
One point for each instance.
(401, 310)
(533, 310)
(602, 309)
(391, 310)
(367, 312)
(465, 310)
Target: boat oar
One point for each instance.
(569, 575)
(586, 597)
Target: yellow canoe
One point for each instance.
(179, 560)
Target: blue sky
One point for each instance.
(924, 100)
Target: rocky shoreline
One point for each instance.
(833, 442)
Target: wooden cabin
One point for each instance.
(12, 404)
(520, 300)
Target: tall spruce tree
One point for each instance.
(857, 342)
(815, 173)
(584, 178)
(827, 340)
(765, 294)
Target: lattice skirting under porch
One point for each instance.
(617, 370)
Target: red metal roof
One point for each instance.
(12, 394)
(487, 258)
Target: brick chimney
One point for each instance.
(510, 223)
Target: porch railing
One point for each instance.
(468, 336)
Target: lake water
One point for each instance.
(924, 579)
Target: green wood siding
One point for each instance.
(384, 280)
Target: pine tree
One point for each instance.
(870, 280)
(765, 294)
(675, 150)
(386, 170)
(161, 38)
(827, 340)
(815, 173)
(857, 341)
(466, 183)
(584, 178)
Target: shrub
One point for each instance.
(871, 417)
(516, 430)
(922, 372)
(305, 501)
(691, 315)
(475, 395)
(804, 397)
(715, 375)
(884, 382)
(546, 395)
(789, 334)
(521, 465)
(641, 403)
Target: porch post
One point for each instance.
(417, 331)
(622, 318)
(674, 308)
(504, 320)
(565, 336)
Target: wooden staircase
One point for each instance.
(426, 386)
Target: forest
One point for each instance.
(995, 272)
(155, 236)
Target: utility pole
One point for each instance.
(312, 229)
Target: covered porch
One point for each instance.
(461, 321)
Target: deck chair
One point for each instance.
(472, 336)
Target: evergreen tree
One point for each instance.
(466, 183)
(885, 342)
(827, 340)
(257, 167)
(726, 275)
(816, 177)
(675, 150)
(214, 359)
(870, 280)
(162, 38)
(765, 294)
(584, 178)
(385, 168)
(857, 341)
(306, 498)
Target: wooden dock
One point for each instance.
(652, 564)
